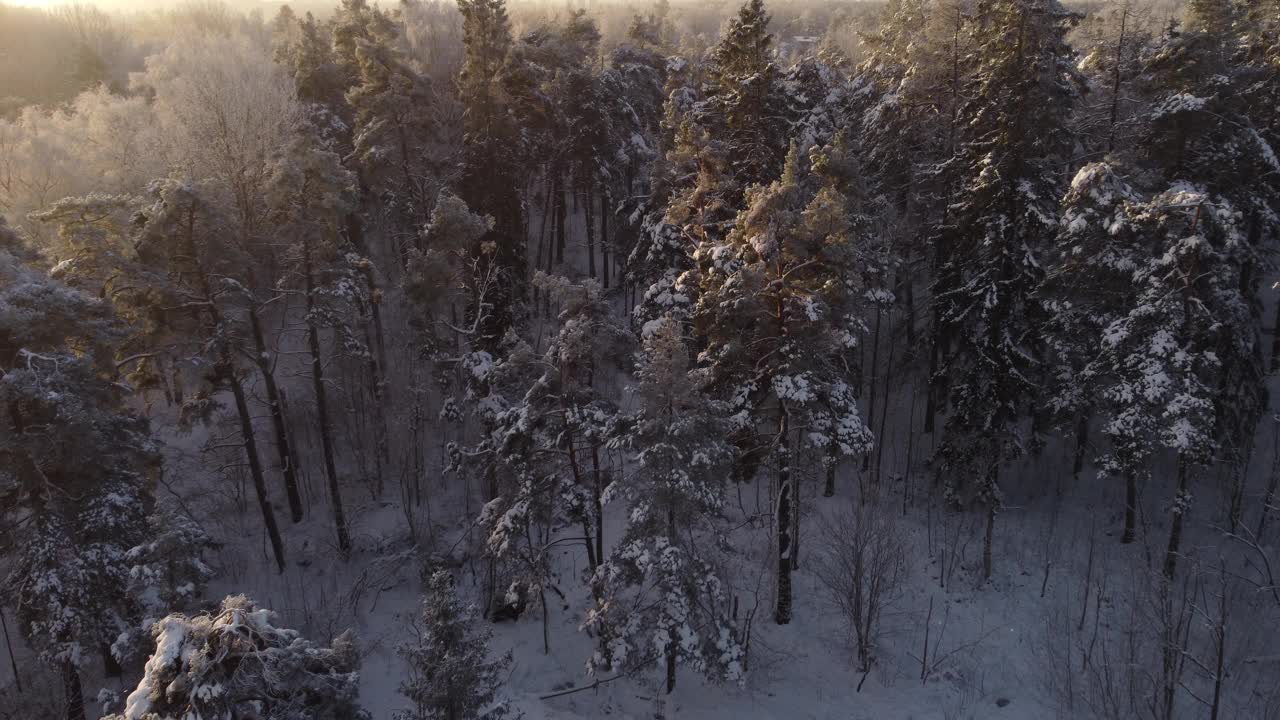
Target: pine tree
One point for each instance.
(168, 573)
(548, 437)
(1160, 361)
(451, 676)
(170, 262)
(76, 496)
(310, 193)
(489, 165)
(659, 600)
(745, 95)
(780, 303)
(1088, 286)
(238, 663)
(1003, 217)
(1200, 131)
(394, 130)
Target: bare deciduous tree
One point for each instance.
(863, 567)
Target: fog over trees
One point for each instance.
(459, 359)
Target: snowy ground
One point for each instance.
(989, 647)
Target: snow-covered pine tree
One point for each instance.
(1004, 214)
(1202, 131)
(394, 142)
(451, 676)
(238, 663)
(745, 103)
(659, 598)
(547, 436)
(1159, 363)
(579, 361)
(490, 163)
(309, 193)
(1088, 285)
(76, 497)
(780, 304)
(167, 573)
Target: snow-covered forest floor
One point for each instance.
(992, 650)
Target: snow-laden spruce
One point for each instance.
(451, 676)
(659, 599)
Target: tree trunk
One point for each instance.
(560, 222)
(8, 644)
(1175, 528)
(871, 394)
(598, 499)
(72, 692)
(933, 389)
(671, 642)
(782, 614)
(1130, 507)
(833, 461)
(605, 211)
(322, 408)
(1082, 443)
(287, 470)
(1275, 340)
(993, 479)
(589, 208)
(255, 465)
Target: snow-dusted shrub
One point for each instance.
(238, 664)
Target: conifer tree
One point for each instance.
(659, 599)
(168, 573)
(489, 165)
(310, 192)
(1160, 361)
(73, 460)
(745, 95)
(780, 302)
(451, 676)
(1004, 216)
(1088, 286)
(238, 663)
(1200, 132)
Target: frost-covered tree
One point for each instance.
(490, 163)
(745, 95)
(1160, 361)
(310, 192)
(451, 675)
(780, 303)
(168, 573)
(1201, 130)
(659, 598)
(1004, 216)
(238, 663)
(1089, 284)
(548, 438)
(72, 465)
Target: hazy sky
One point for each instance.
(131, 4)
